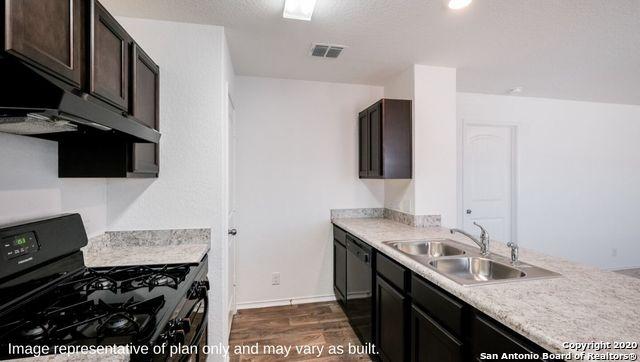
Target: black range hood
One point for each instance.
(33, 103)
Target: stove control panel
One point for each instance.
(19, 245)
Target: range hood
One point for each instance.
(36, 104)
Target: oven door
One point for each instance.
(194, 314)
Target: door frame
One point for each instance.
(513, 127)
(232, 241)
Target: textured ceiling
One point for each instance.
(570, 49)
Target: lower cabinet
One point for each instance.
(488, 337)
(415, 320)
(391, 306)
(430, 342)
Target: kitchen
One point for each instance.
(234, 154)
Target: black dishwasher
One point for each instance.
(359, 288)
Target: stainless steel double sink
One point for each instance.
(465, 265)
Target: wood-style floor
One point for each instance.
(314, 324)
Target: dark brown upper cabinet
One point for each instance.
(385, 140)
(108, 58)
(145, 108)
(79, 42)
(145, 88)
(47, 34)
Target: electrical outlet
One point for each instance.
(275, 278)
(614, 252)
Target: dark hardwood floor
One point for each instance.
(314, 324)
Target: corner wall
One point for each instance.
(433, 190)
(435, 148)
(400, 194)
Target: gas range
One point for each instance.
(49, 298)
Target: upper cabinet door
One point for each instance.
(144, 106)
(363, 131)
(375, 153)
(145, 85)
(386, 146)
(109, 68)
(47, 34)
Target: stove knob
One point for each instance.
(198, 289)
(183, 324)
(173, 337)
(205, 283)
(178, 336)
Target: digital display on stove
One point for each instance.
(18, 245)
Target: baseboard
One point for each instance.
(289, 301)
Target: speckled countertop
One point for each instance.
(147, 247)
(140, 255)
(586, 304)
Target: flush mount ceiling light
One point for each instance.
(515, 90)
(298, 9)
(458, 4)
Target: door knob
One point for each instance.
(468, 211)
(233, 231)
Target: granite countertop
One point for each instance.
(586, 304)
(141, 255)
(147, 247)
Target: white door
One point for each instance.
(233, 240)
(488, 180)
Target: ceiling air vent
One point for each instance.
(326, 50)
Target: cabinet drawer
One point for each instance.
(340, 235)
(393, 272)
(443, 308)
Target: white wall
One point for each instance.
(432, 191)
(30, 187)
(185, 194)
(578, 172)
(400, 194)
(195, 72)
(435, 147)
(296, 159)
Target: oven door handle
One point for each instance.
(202, 325)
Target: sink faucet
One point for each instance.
(483, 243)
(514, 252)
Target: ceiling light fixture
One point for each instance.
(298, 9)
(458, 4)
(515, 90)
